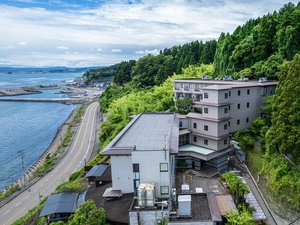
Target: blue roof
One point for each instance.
(97, 171)
(60, 203)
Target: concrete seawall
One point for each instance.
(54, 100)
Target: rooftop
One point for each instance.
(229, 83)
(194, 148)
(201, 152)
(60, 203)
(147, 131)
(97, 171)
(116, 209)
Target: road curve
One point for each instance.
(80, 149)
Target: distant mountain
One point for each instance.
(56, 69)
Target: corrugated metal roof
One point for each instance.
(225, 204)
(213, 207)
(60, 203)
(97, 170)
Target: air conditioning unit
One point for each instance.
(146, 195)
(185, 189)
(184, 205)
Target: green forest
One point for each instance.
(264, 47)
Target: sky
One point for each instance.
(81, 33)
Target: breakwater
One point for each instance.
(49, 100)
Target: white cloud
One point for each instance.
(146, 52)
(22, 43)
(62, 47)
(8, 47)
(137, 29)
(116, 50)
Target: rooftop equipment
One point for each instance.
(262, 79)
(184, 205)
(146, 195)
(185, 189)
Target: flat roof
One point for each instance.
(60, 203)
(195, 148)
(147, 131)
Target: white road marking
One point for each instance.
(7, 212)
(18, 204)
(26, 197)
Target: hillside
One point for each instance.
(258, 48)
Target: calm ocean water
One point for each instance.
(29, 127)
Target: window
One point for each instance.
(225, 141)
(247, 120)
(195, 139)
(225, 110)
(136, 177)
(226, 95)
(206, 127)
(264, 91)
(248, 104)
(229, 123)
(205, 141)
(163, 167)
(205, 110)
(229, 93)
(238, 122)
(195, 125)
(248, 91)
(136, 167)
(164, 190)
(229, 107)
(239, 92)
(225, 126)
(205, 95)
(238, 106)
(180, 124)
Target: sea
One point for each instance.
(28, 128)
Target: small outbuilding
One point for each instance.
(100, 174)
(60, 207)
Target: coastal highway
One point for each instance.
(80, 149)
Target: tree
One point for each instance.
(183, 104)
(88, 213)
(243, 217)
(235, 185)
(284, 133)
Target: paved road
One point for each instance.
(80, 149)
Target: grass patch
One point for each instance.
(9, 191)
(255, 160)
(78, 115)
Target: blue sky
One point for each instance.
(97, 32)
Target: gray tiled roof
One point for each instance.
(60, 203)
(148, 131)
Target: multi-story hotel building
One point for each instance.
(219, 108)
